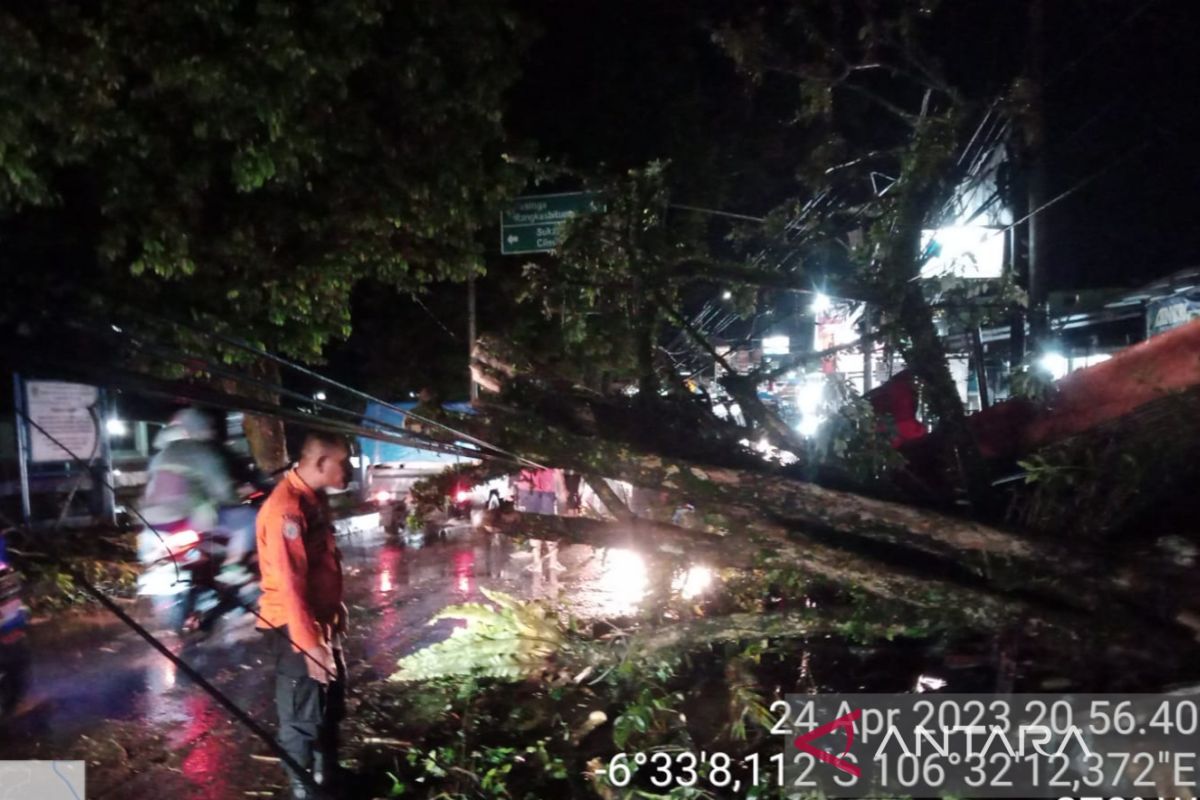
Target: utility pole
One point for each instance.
(1035, 154)
(21, 428)
(977, 355)
(1016, 261)
(474, 387)
(868, 347)
(108, 495)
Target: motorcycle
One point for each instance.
(195, 577)
(461, 502)
(14, 643)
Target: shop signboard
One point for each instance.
(61, 413)
(1165, 313)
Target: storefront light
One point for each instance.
(964, 251)
(809, 395)
(1092, 360)
(1056, 364)
(809, 425)
(776, 345)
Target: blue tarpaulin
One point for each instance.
(389, 453)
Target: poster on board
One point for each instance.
(64, 411)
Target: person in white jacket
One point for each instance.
(190, 480)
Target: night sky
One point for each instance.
(1121, 99)
(611, 85)
(621, 83)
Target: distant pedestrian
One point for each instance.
(536, 490)
(303, 609)
(428, 405)
(569, 493)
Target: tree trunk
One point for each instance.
(903, 300)
(265, 435)
(646, 342)
(746, 550)
(855, 539)
(927, 358)
(744, 389)
(941, 601)
(640, 534)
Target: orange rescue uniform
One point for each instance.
(301, 566)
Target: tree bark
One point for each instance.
(739, 627)
(682, 427)
(613, 504)
(265, 435)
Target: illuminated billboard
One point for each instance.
(963, 251)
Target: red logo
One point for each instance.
(804, 742)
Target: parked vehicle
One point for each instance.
(461, 502)
(14, 643)
(468, 501)
(391, 506)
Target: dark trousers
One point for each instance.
(309, 712)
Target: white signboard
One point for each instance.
(64, 410)
(963, 251)
(776, 345)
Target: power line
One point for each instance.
(175, 357)
(1137, 12)
(1079, 185)
(174, 391)
(433, 316)
(299, 368)
(716, 213)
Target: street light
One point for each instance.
(319, 396)
(821, 303)
(116, 427)
(726, 295)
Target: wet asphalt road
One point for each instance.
(101, 694)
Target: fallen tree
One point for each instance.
(755, 513)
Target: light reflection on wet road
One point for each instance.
(101, 694)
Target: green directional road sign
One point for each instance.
(534, 223)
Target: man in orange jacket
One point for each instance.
(301, 606)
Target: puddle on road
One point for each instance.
(591, 583)
(93, 678)
(95, 683)
(587, 582)
(395, 585)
